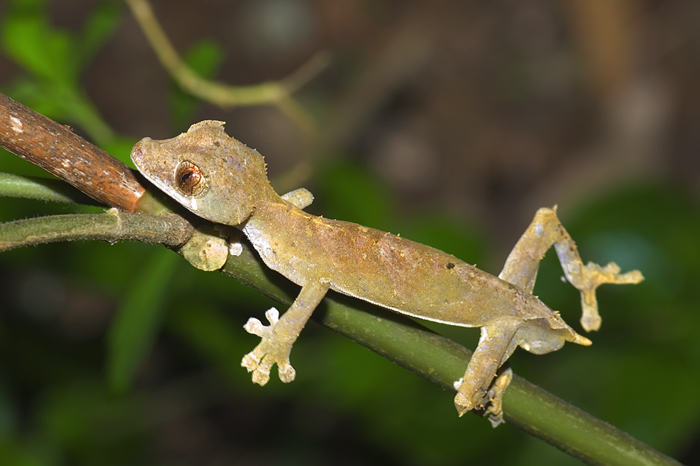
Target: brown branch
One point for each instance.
(58, 150)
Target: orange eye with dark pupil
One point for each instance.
(189, 179)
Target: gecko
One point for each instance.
(223, 181)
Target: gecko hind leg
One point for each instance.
(546, 231)
(521, 269)
(486, 377)
(279, 337)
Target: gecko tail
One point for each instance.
(580, 340)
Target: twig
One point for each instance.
(271, 92)
(59, 151)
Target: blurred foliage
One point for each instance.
(54, 60)
(78, 321)
(138, 319)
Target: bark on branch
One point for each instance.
(59, 151)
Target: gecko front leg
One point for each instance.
(280, 335)
(301, 198)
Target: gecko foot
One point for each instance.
(464, 401)
(490, 403)
(494, 409)
(273, 349)
(590, 277)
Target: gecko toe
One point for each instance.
(273, 316)
(254, 327)
(258, 366)
(286, 372)
(250, 362)
(261, 376)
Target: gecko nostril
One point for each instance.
(189, 179)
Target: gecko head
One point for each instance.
(211, 174)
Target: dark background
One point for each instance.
(449, 122)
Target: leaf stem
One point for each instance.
(221, 94)
(42, 189)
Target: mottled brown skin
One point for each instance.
(222, 180)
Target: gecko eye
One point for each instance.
(189, 179)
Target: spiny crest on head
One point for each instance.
(219, 125)
(209, 126)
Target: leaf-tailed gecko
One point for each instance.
(221, 180)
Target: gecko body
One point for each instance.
(223, 181)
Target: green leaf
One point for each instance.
(212, 334)
(98, 28)
(34, 95)
(22, 31)
(120, 148)
(17, 452)
(28, 38)
(134, 328)
(55, 59)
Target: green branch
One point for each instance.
(112, 226)
(393, 336)
(442, 361)
(42, 189)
